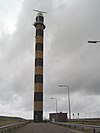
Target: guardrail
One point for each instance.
(9, 128)
(93, 128)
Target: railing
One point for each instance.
(93, 128)
(9, 128)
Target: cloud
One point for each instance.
(68, 58)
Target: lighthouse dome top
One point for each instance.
(39, 14)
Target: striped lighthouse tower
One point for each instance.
(38, 79)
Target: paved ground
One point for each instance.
(44, 128)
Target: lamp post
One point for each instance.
(56, 108)
(56, 103)
(69, 108)
(93, 41)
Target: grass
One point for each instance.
(4, 120)
(87, 122)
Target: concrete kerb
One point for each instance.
(9, 128)
(94, 129)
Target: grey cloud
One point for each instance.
(67, 57)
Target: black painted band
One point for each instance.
(38, 115)
(38, 78)
(38, 96)
(39, 62)
(39, 46)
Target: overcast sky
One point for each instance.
(68, 58)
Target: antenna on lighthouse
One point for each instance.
(39, 11)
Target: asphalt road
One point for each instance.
(44, 128)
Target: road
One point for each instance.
(44, 128)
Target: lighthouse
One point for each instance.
(38, 75)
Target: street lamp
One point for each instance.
(56, 108)
(93, 41)
(64, 85)
(56, 103)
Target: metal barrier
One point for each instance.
(9, 128)
(93, 128)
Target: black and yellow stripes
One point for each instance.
(38, 79)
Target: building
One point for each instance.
(61, 117)
(38, 77)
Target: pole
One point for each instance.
(56, 108)
(56, 105)
(69, 107)
(69, 102)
